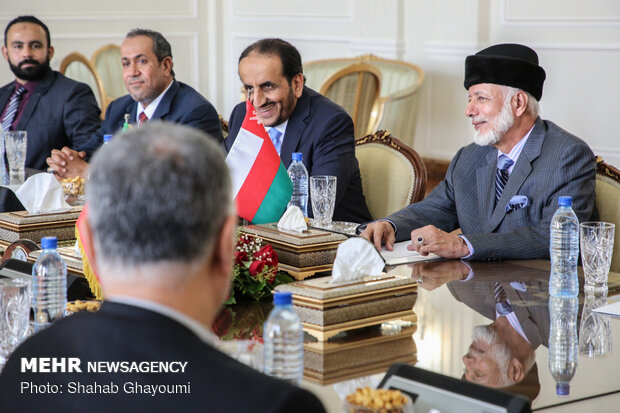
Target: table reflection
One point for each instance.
(460, 332)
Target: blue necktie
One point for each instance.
(502, 305)
(11, 109)
(501, 175)
(275, 136)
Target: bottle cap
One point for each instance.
(565, 201)
(48, 243)
(283, 298)
(562, 389)
(107, 137)
(298, 156)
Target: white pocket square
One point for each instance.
(517, 202)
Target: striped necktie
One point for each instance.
(11, 109)
(275, 136)
(502, 305)
(501, 175)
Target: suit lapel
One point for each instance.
(5, 93)
(520, 172)
(297, 123)
(42, 87)
(485, 178)
(164, 106)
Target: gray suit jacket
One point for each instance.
(530, 306)
(553, 163)
(60, 112)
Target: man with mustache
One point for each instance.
(154, 93)
(536, 160)
(54, 110)
(305, 121)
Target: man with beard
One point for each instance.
(502, 190)
(154, 93)
(298, 119)
(54, 110)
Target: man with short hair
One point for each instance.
(146, 57)
(299, 119)
(55, 111)
(161, 228)
(502, 190)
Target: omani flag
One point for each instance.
(261, 185)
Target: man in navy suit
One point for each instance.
(537, 160)
(54, 110)
(307, 122)
(161, 229)
(146, 57)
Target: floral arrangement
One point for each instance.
(255, 269)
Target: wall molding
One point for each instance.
(272, 16)
(601, 21)
(191, 13)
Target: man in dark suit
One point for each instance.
(54, 110)
(536, 160)
(306, 122)
(161, 229)
(146, 57)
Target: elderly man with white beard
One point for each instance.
(502, 190)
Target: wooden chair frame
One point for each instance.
(382, 100)
(383, 137)
(79, 57)
(359, 68)
(604, 169)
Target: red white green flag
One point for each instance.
(261, 185)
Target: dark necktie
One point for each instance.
(502, 305)
(275, 136)
(142, 118)
(501, 175)
(11, 109)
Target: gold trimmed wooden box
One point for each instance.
(326, 309)
(69, 255)
(301, 254)
(19, 225)
(357, 353)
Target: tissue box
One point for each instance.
(357, 353)
(20, 225)
(326, 309)
(300, 254)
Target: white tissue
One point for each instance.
(293, 220)
(356, 258)
(42, 194)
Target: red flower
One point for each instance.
(244, 240)
(240, 256)
(268, 254)
(256, 267)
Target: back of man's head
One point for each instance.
(288, 54)
(159, 193)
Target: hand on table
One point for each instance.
(434, 274)
(380, 232)
(67, 163)
(431, 239)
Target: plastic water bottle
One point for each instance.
(283, 336)
(563, 343)
(564, 250)
(106, 138)
(49, 285)
(299, 175)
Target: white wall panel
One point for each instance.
(577, 43)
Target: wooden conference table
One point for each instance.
(447, 311)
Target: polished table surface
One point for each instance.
(448, 308)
